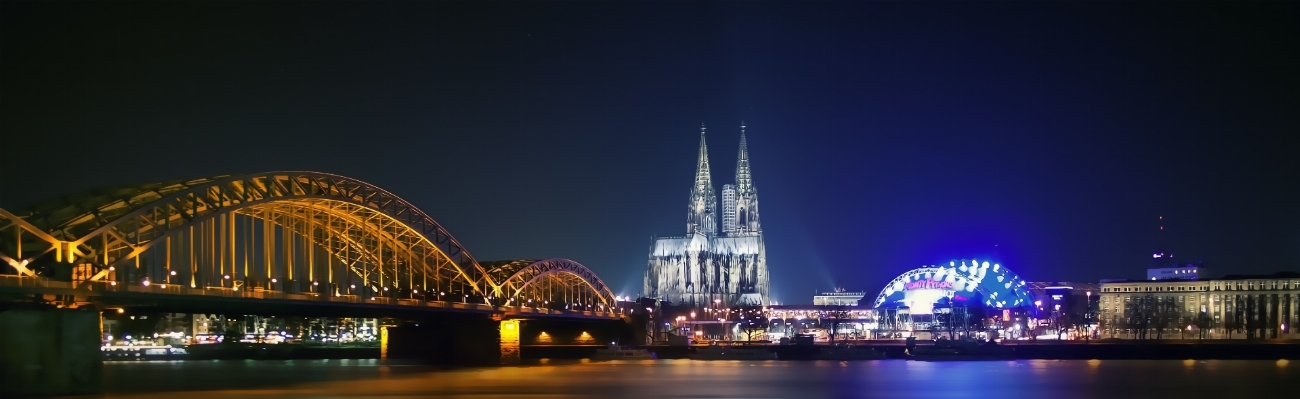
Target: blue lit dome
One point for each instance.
(920, 288)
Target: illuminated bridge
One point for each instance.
(289, 239)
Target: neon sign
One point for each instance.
(928, 284)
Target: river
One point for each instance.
(1057, 379)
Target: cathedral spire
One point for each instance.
(744, 181)
(746, 202)
(703, 180)
(703, 217)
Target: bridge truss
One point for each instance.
(302, 233)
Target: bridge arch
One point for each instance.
(291, 231)
(529, 281)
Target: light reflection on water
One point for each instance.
(1060, 379)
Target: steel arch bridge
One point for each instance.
(264, 235)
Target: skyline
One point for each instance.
(885, 136)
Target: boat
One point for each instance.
(143, 352)
(720, 352)
(615, 352)
(845, 352)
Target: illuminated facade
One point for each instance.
(838, 298)
(847, 322)
(708, 266)
(919, 289)
(1233, 307)
(1184, 272)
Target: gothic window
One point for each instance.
(744, 220)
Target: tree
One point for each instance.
(1251, 321)
(836, 316)
(1140, 314)
(1234, 320)
(1203, 323)
(1115, 322)
(975, 312)
(1060, 321)
(751, 320)
(298, 327)
(946, 318)
(1167, 314)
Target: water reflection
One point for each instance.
(1068, 379)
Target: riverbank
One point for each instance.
(279, 352)
(1039, 350)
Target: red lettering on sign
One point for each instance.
(928, 284)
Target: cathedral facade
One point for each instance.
(711, 266)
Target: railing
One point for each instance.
(10, 280)
(258, 293)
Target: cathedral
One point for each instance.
(712, 267)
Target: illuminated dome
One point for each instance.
(920, 288)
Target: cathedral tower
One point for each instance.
(702, 217)
(746, 207)
(708, 266)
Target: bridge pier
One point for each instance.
(49, 352)
(454, 339)
(577, 332)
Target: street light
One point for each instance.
(1087, 320)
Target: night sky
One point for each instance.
(1047, 136)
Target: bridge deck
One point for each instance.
(42, 286)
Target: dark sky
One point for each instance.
(1048, 136)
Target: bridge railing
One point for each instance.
(258, 293)
(10, 280)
